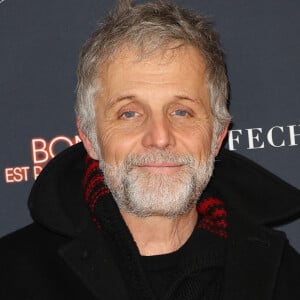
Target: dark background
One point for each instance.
(39, 45)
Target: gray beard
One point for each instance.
(145, 194)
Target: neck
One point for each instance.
(160, 235)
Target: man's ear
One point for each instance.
(87, 143)
(221, 138)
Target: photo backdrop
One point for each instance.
(39, 45)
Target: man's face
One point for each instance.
(155, 130)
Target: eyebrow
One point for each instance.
(185, 97)
(114, 101)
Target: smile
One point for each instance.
(161, 168)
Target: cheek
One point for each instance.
(197, 140)
(115, 143)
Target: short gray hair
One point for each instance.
(149, 27)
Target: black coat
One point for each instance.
(62, 255)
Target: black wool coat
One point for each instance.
(61, 255)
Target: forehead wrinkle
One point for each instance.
(157, 61)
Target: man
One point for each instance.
(152, 115)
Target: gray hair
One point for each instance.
(149, 27)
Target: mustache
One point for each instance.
(158, 156)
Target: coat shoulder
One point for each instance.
(31, 241)
(31, 268)
(288, 279)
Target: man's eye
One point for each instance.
(180, 113)
(129, 114)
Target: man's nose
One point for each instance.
(158, 133)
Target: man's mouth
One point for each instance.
(161, 167)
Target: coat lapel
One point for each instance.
(90, 258)
(253, 260)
